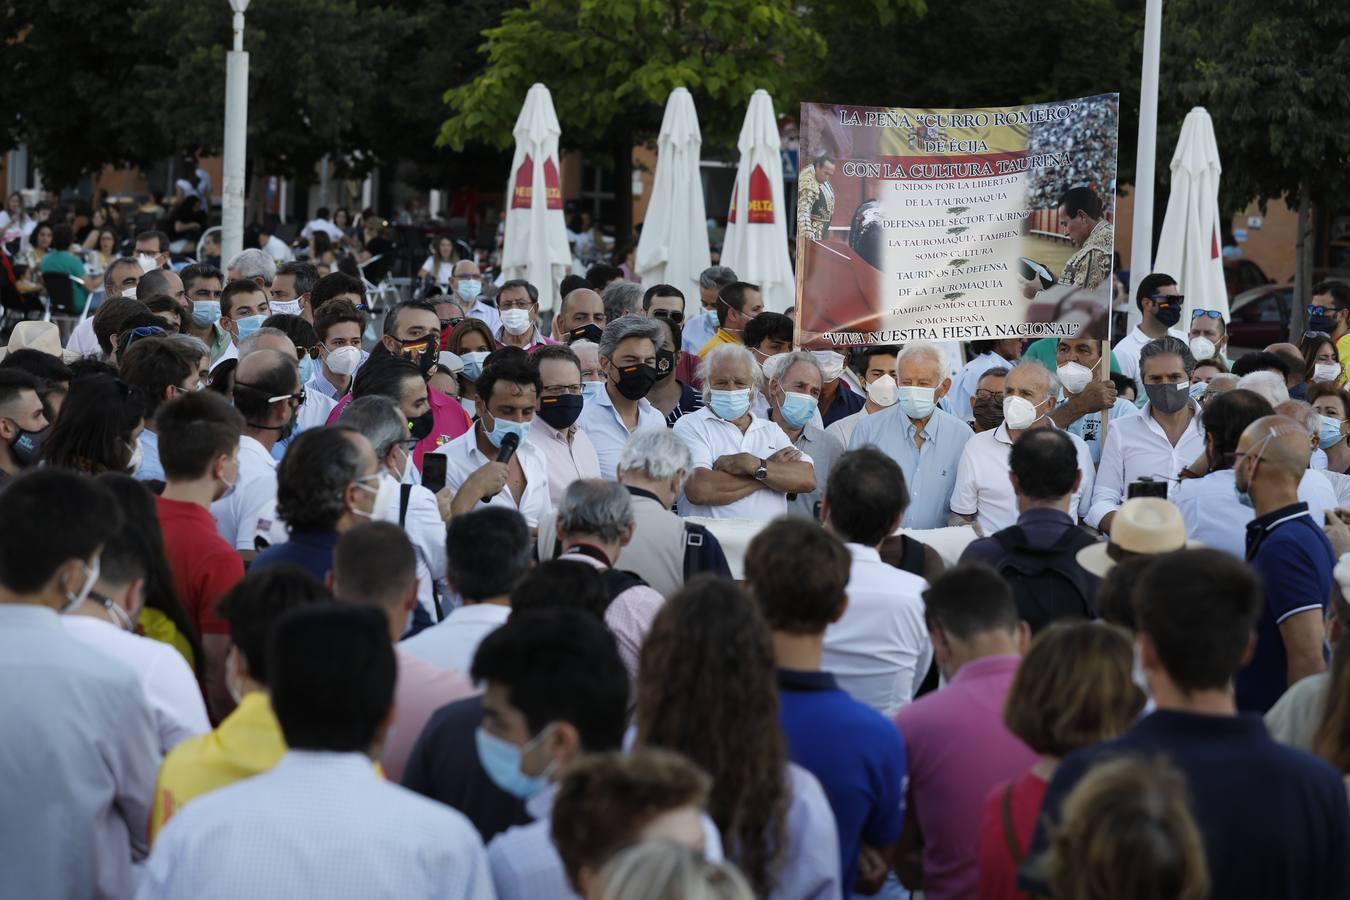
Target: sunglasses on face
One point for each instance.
(1165, 299)
(144, 331)
(451, 323)
(1319, 311)
(1207, 313)
(311, 352)
(673, 315)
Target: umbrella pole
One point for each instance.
(1105, 376)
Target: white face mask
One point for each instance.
(147, 262)
(516, 321)
(883, 391)
(1019, 413)
(831, 364)
(285, 307)
(384, 498)
(137, 456)
(1203, 348)
(1074, 377)
(1325, 372)
(74, 600)
(343, 361)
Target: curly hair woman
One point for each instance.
(706, 688)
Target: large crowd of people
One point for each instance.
(633, 601)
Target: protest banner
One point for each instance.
(955, 225)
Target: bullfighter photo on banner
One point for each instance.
(955, 225)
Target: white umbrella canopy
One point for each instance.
(673, 248)
(756, 241)
(1189, 248)
(536, 246)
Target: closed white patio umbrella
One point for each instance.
(536, 246)
(1190, 247)
(756, 241)
(673, 248)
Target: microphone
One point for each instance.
(504, 454)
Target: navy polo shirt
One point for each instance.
(1274, 819)
(845, 403)
(1295, 560)
(310, 550)
(855, 753)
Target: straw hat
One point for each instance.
(1144, 526)
(43, 336)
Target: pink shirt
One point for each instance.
(567, 460)
(959, 750)
(629, 617)
(421, 689)
(537, 339)
(449, 421)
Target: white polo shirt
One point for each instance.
(451, 644)
(1137, 446)
(251, 507)
(465, 458)
(601, 422)
(169, 685)
(879, 652)
(1216, 518)
(426, 530)
(843, 428)
(708, 436)
(984, 490)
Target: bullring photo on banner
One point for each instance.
(955, 225)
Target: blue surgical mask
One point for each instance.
(501, 760)
(730, 405)
(710, 317)
(1330, 434)
(306, 368)
(592, 389)
(797, 409)
(1198, 390)
(502, 427)
(470, 290)
(917, 402)
(1243, 497)
(473, 364)
(249, 324)
(205, 312)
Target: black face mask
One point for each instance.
(988, 414)
(421, 426)
(28, 445)
(635, 382)
(426, 359)
(665, 363)
(588, 332)
(1168, 315)
(560, 412)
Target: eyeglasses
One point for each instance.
(988, 395)
(1207, 313)
(504, 305)
(298, 397)
(673, 315)
(1178, 299)
(311, 352)
(559, 389)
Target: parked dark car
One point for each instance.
(1242, 275)
(1260, 317)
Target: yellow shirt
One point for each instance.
(1343, 351)
(247, 743)
(154, 624)
(720, 336)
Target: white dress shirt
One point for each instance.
(698, 330)
(426, 530)
(317, 825)
(251, 508)
(150, 468)
(879, 652)
(984, 489)
(843, 428)
(1216, 518)
(169, 685)
(451, 643)
(608, 434)
(278, 249)
(77, 763)
(313, 413)
(708, 437)
(82, 338)
(1127, 351)
(324, 225)
(1135, 447)
(465, 458)
(963, 387)
(567, 460)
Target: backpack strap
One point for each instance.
(1009, 832)
(404, 495)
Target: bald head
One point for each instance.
(580, 308)
(268, 339)
(264, 365)
(1280, 446)
(1291, 355)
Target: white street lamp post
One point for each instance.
(236, 139)
(1141, 245)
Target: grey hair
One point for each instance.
(656, 870)
(108, 272)
(1035, 365)
(379, 419)
(1221, 383)
(775, 367)
(915, 349)
(1266, 384)
(995, 372)
(1299, 410)
(655, 453)
(624, 327)
(253, 263)
(250, 343)
(716, 278)
(1167, 346)
(600, 508)
(194, 343)
(622, 298)
(578, 347)
(730, 353)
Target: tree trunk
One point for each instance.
(1303, 247)
(623, 189)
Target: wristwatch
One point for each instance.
(763, 471)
